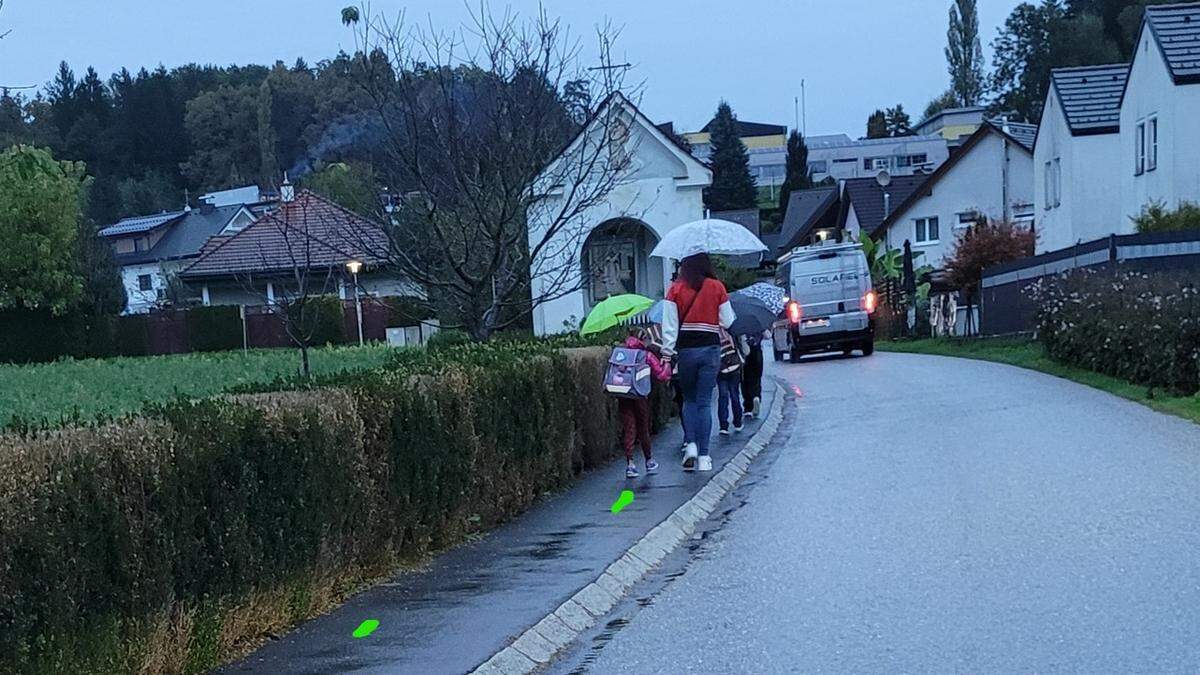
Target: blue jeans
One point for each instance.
(729, 397)
(698, 368)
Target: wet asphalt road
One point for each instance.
(936, 515)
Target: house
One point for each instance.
(150, 250)
(990, 176)
(605, 250)
(1078, 145)
(307, 237)
(766, 146)
(810, 215)
(866, 202)
(839, 157)
(1160, 113)
(1116, 138)
(953, 124)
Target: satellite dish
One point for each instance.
(883, 178)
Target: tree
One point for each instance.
(897, 121)
(985, 244)
(796, 174)
(39, 215)
(964, 56)
(877, 125)
(1035, 39)
(61, 94)
(352, 185)
(943, 101)
(732, 185)
(102, 289)
(473, 132)
(223, 126)
(286, 108)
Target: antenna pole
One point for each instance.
(804, 108)
(796, 104)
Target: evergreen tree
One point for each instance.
(796, 176)
(944, 101)
(964, 56)
(732, 185)
(877, 125)
(61, 94)
(897, 121)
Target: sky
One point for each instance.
(853, 55)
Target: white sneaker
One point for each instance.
(705, 463)
(725, 432)
(689, 457)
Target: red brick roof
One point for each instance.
(311, 232)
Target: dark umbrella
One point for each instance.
(753, 315)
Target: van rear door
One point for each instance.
(827, 283)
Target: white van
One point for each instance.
(830, 301)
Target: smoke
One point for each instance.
(349, 135)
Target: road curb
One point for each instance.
(539, 644)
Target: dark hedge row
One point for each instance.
(158, 543)
(1144, 328)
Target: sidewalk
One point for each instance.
(473, 600)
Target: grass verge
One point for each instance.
(1031, 355)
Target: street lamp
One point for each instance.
(354, 266)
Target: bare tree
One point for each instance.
(495, 135)
(302, 268)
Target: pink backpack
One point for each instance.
(628, 374)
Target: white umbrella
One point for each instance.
(710, 235)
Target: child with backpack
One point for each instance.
(630, 369)
(729, 382)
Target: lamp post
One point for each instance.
(354, 266)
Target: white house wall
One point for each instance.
(1151, 91)
(1088, 207)
(975, 183)
(137, 300)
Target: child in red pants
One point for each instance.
(635, 412)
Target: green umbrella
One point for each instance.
(610, 312)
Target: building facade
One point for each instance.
(839, 157)
(605, 249)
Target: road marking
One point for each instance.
(366, 628)
(624, 500)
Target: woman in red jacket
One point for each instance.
(696, 307)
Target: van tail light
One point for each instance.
(794, 312)
(869, 302)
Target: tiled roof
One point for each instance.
(1177, 30)
(805, 208)
(310, 231)
(138, 224)
(186, 236)
(1025, 134)
(866, 196)
(1090, 97)
(750, 129)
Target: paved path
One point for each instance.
(937, 515)
(473, 600)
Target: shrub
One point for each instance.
(215, 328)
(152, 542)
(1139, 327)
(1155, 217)
(448, 338)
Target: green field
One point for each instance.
(54, 392)
(1028, 354)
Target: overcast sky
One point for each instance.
(855, 55)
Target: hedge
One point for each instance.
(214, 328)
(173, 541)
(1144, 328)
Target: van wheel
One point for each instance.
(778, 355)
(796, 354)
(868, 347)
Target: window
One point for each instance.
(967, 219)
(818, 167)
(145, 283)
(875, 163)
(927, 230)
(1152, 144)
(1139, 151)
(1048, 184)
(911, 160)
(1057, 182)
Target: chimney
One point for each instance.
(287, 191)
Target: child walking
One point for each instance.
(729, 380)
(635, 412)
